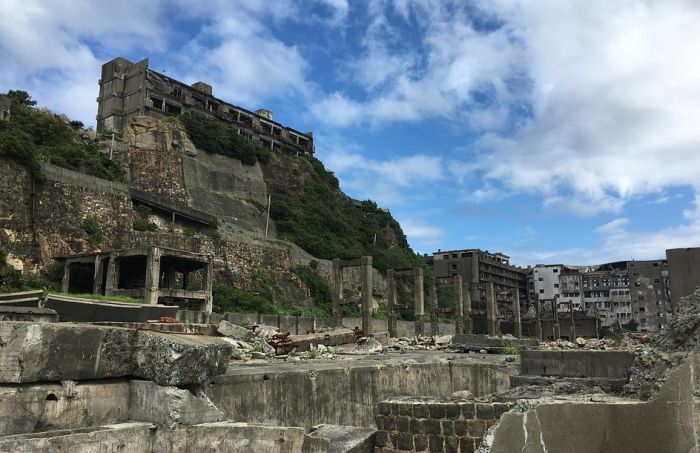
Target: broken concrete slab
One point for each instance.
(21, 313)
(170, 359)
(231, 330)
(170, 406)
(40, 352)
(36, 352)
(333, 337)
(339, 439)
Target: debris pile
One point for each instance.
(420, 343)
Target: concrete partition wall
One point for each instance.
(667, 424)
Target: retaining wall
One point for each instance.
(578, 364)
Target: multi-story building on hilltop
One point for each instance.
(649, 292)
(130, 89)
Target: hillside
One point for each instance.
(197, 164)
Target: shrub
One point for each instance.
(144, 225)
(92, 230)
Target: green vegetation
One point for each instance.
(127, 299)
(12, 280)
(34, 135)
(93, 230)
(215, 137)
(326, 223)
(144, 225)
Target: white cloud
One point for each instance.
(424, 237)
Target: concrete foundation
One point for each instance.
(577, 364)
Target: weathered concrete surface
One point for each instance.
(331, 338)
(231, 437)
(40, 407)
(581, 364)
(169, 406)
(169, 359)
(339, 439)
(476, 342)
(231, 330)
(666, 424)
(38, 352)
(72, 309)
(20, 313)
(165, 327)
(346, 392)
(124, 437)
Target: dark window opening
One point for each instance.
(173, 109)
(81, 278)
(157, 103)
(132, 272)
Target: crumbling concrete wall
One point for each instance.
(668, 423)
(343, 395)
(67, 405)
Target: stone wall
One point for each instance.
(449, 425)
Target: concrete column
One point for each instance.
(208, 284)
(458, 304)
(418, 300)
(491, 310)
(65, 282)
(556, 328)
(572, 331)
(432, 307)
(391, 302)
(538, 318)
(99, 274)
(337, 276)
(517, 324)
(468, 325)
(152, 275)
(112, 281)
(366, 282)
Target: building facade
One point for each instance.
(649, 291)
(477, 268)
(683, 272)
(130, 89)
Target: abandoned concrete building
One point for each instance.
(130, 89)
(683, 272)
(615, 293)
(479, 267)
(156, 274)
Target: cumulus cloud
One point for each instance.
(425, 237)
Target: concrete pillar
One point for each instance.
(152, 275)
(538, 318)
(572, 330)
(391, 302)
(468, 325)
(208, 284)
(366, 300)
(517, 324)
(491, 310)
(98, 275)
(418, 300)
(111, 282)
(556, 328)
(432, 307)
(337, 276)
(458, 304)
(65, 282)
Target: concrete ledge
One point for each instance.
(27, 314)
(127, 437)
(581, 364)
(476, 342)
(38, 352)
(609, 385)
(335, 438)
(73, 309)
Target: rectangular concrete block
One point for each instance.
(36, 352)
(170, 359)
(579, 364)
(40, 352)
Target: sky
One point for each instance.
(552, 131)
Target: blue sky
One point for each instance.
(555, 132)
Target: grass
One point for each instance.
(126, 299)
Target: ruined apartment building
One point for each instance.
(683, 273)
(616, 293)
(478, 268)
(130, 89)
